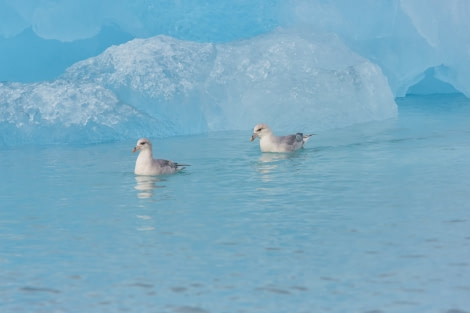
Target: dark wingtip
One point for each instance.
(178, 164)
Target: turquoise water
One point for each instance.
(370, 218)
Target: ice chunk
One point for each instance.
(163, 86)
(231, 86)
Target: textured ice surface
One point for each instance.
(64, 112)
(405, 38)
(219, 65)
(162, 86)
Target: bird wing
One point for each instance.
(290, 139)
(165, 163)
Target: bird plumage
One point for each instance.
(147, 165)
(271, 143)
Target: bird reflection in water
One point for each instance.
(270, 165)
(274, 157)
(146, 185)
(268, 162)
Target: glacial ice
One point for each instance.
(182, 67)
(163, 86)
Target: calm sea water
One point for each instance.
(371, 218)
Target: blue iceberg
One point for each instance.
(182, 68)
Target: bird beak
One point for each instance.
(253, 137)
(135, 149)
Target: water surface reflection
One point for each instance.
(268, 162)
(146, 185)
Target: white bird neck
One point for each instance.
(267, 135)
(145, 154)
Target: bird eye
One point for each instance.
(142, 143)
(259, 129)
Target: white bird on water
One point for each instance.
(147, 165)
(268, 142)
